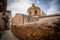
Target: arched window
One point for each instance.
(30, 13)
(35, 13)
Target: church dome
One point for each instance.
(33, 7)
(34, 11)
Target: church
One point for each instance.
(34, 13)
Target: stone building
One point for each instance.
(34, 12)
(8, 14)
(21, 19)
(18, 19)
(3, 6)
(6, 17)
(43, 13)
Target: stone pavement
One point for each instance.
(8, 35)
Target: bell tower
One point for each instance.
(34, 11)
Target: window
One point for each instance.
(35, 13)
(30, 13)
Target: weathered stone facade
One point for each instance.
(34, 13)
(47, 28)
(21, 19)
(8, 14)
(18, 19)
(4, 18)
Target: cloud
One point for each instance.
(38, 2)
(20, 6)
(53, 8)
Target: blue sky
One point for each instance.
(21, 6)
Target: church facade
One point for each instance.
(34, 12)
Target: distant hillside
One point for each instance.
(47, 28)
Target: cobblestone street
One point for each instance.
(8, 35)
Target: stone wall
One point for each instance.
(18, 19)
(2, 24)
(22, 19)
(44, 29)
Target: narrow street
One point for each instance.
(8, 35)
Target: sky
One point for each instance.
(21, 6)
